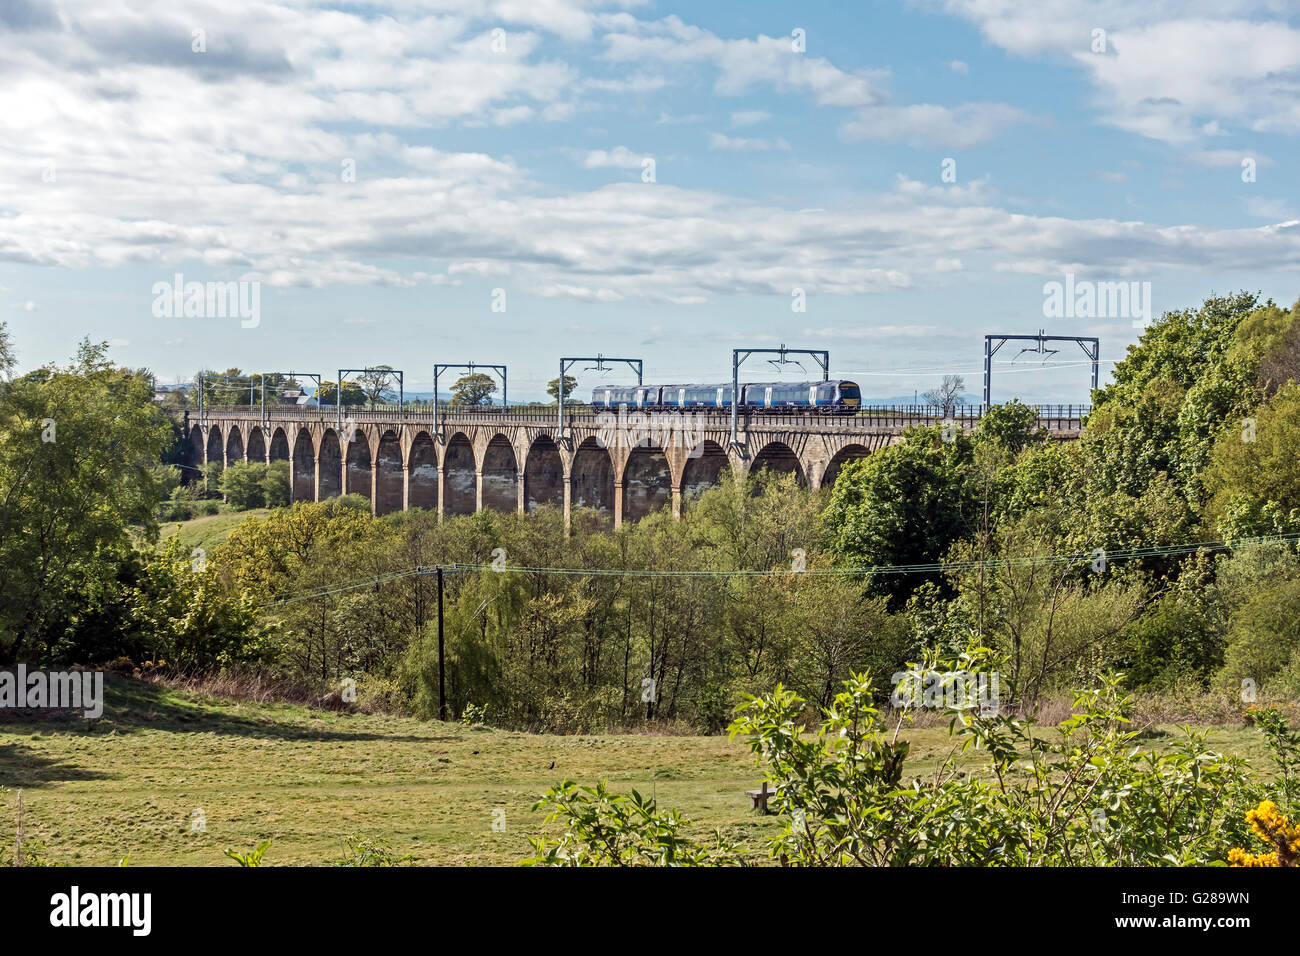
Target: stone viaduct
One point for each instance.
(515, 461)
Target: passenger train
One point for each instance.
(832, 398)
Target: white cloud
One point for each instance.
(749, 117)
(741, 64)
(959, 66)
(722, 141)
(1179, 71)
(620, 157)
(237, 172)
(925, 124)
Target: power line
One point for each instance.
(1119, 554)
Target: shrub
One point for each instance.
(607, 829)
(363, 851)
(276, 485)
(1080, 795)
(244, 485)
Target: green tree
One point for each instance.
(476, 389)
(277, 485)
(352, 394)
(905, 504)
(185, 617)
(1254, 475)
(243, 485)
(77, 445)
(570, 383)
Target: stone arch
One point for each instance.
(543, 475)
(459, 481)
(216, 447)
(234, 446)
(388, 474)
(647, 482)
(593, 479)
(703, 466)
(422, 473)
(197, 456)
(359, 465)
(329, 467)
(304, 466)
(842, 457)
(280, 445)
(500, 476)
(778, 457)
(256, 445)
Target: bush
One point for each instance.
(1085, 795)
(276, 485)
(212, 478)
(244, 485)
(176, 511)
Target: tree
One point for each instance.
(231, 387)
(1190, 375)
(375, 384)
(905, 504)
(1254, 476)
(277, 485)
(947, 393)
(352, 394)
(7, 358)
(182, 615)
(78, 447)
(476, 389)
(570, 383)
(243, 485)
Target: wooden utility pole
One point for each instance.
(442, 685)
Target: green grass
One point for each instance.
(306, 779)
(206, 532)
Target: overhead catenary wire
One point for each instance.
(1111, 556)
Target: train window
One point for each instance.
(849, 390)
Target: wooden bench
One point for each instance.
(758, 798)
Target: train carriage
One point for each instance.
(832, 397)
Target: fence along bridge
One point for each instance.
(514, 460)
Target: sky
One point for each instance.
(513, 181)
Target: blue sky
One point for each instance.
(501, 145)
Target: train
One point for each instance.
(830, 398)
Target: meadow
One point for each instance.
(126, 786)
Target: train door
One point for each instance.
(767, 397)
(719, 397)
(812, 396)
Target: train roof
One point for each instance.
(716, 385)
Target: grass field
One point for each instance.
(306, 779)
(206, 532)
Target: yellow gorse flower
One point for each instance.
(1275, 830)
